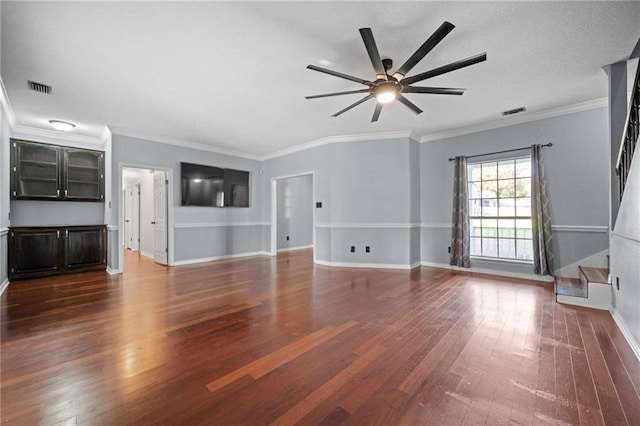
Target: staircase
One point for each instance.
(591, 290)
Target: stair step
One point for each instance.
(571, 287)
(595, 275)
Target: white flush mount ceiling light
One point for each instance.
(63, 126)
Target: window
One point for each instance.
(500, 209)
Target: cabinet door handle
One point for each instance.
(66, 233)
(58, 233)
(153, 222)
(57, 192)
(65, 193)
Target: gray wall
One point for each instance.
(577, 174)
(366, 189)
(295, 212)
(199, 232)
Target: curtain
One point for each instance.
(460, 216)
(540, 217)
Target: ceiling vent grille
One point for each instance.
(513, 111)
(39, 87)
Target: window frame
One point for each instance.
(496, 217)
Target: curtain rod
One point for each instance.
(501, 152)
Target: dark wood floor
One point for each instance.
(259, 340)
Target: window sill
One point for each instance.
(499, 260)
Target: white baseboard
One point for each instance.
(4, 285)
(112, 271)
(635, 345)
(532, 277)
(598, 260)
(294, 248)
(211, 259)
(367, 265)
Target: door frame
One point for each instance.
(274, 211)
(120, 191)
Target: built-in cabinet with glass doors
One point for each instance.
(51, 172)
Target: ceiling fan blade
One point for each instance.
(350, 92)
(355, 104)
(408, 103)
(426, 47)
(374, 55)
(339, 74)
(446, 68)
(376, 112)
(433, 90)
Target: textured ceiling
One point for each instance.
(232, 74)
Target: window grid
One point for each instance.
(500, 209)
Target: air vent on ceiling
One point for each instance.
(514, 111)
(39, 87)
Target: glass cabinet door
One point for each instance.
(36, 171)
(83, 175)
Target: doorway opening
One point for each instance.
(144, 207)
(292, 213)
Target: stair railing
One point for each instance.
(629, 137)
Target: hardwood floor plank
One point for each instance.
(270, 362)
(264, 340)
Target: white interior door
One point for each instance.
(128, 218)
(160, 250)
(132, 217)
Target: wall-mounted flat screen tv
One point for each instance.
(213, 186)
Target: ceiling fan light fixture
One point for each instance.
(386, 96)
(386, 91)
(63, 126)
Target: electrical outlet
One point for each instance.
(287, 238)
(617, 283)
(367, 249)
(319, 205)
(353, 249)
(449, 250)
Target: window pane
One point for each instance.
(490, 189)
(524, 248)
(506, 169)
(490, 247)
(489, 228)
(475, 172)
(489, 207)
(523, 187)
(475, 248)
(489, 171)
(506, 228)
(523, 228)
(507, 207)
(475, 190)
(506, 188)
(475, 229)
(507, 248)
(475, 207)
(523, 167)
(523, 207)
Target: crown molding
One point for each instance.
(19, 131)
(6, 105)
(179, 142)
(518, 119)
(344, 138)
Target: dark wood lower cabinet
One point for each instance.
(42, 251)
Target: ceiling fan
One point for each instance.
(385, 88)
